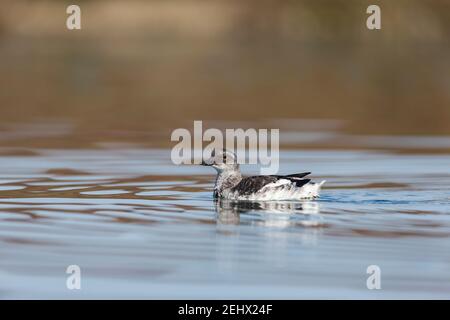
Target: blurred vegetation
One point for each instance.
(154, 65)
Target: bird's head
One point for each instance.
(222, 161)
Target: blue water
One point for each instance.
(140, 227)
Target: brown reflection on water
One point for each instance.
(129, 77)
(147, 199)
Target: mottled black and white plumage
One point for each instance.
(231, 185)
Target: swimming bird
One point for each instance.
(230, 184)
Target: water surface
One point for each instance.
(140, 227)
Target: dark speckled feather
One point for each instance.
(253, 184)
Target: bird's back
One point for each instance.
(291, 187)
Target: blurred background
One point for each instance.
(139, 69)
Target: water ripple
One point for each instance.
(128, 218)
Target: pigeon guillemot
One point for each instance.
(231, 185)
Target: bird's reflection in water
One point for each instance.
(281, 225)
(269, 213)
